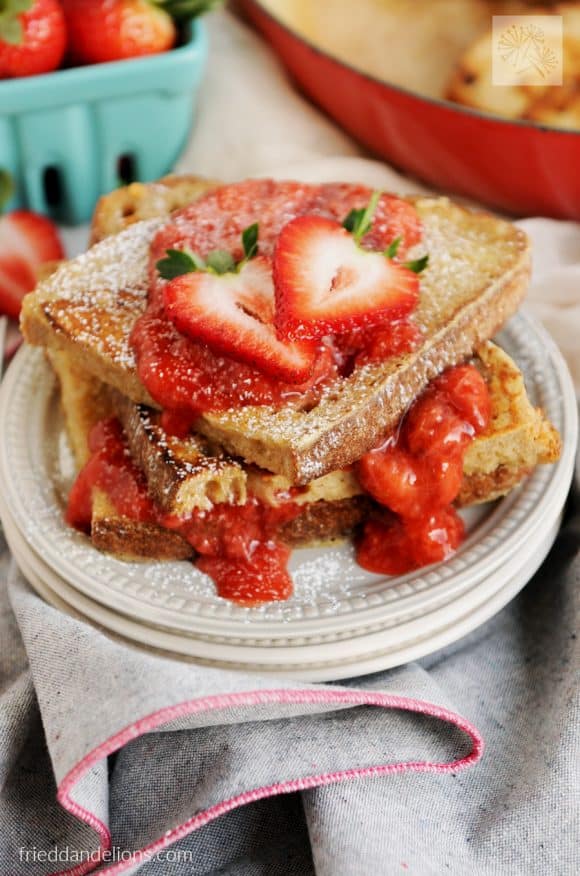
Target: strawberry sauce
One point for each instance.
(236, 545)
(185, 376)
(417, 474)
(237, 548)
(111, 470)
(414, 477)
(182, 374)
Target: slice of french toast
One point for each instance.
(517, 439)
(477, 276)
(139, 201)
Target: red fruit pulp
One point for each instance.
(418, 474)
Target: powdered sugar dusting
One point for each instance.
(97, 296)
(105, 290)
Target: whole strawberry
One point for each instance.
(27, 241)
(32, 37)
(111, 30)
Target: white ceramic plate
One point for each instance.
(336, 604)
(308, 661)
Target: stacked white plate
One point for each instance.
(341, 621)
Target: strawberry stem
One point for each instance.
(220, 261)
(11, 29)
(367, 217)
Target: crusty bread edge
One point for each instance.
(177, 486)
(133, 539)
(41, 330)
(318, 523)
(365, 426)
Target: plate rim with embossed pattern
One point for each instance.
(29, 489)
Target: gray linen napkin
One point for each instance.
(66, 689)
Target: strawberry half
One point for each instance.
(27, 240)
(327, 284)
(233, 314)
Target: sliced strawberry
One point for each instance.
(327, 284)
(233, 314)
(27, 240)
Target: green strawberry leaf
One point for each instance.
(250, 240)
(11, 30)
(353, 219)
(418, 265)
(179, 262)
(6, 188)
(393, 248)
(182, 10)
(359, 222)
(220, 261)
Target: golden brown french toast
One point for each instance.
(477, 276)
(134, 203)
(85, 400)
(517, 439)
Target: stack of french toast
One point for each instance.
(370, 447)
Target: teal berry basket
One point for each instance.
(70, 136)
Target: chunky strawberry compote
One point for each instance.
(236, 545)
(414, 477)
(417, 474)
(111, 470)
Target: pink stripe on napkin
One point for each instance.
(252, 698)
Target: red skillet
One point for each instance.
(519, 167)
